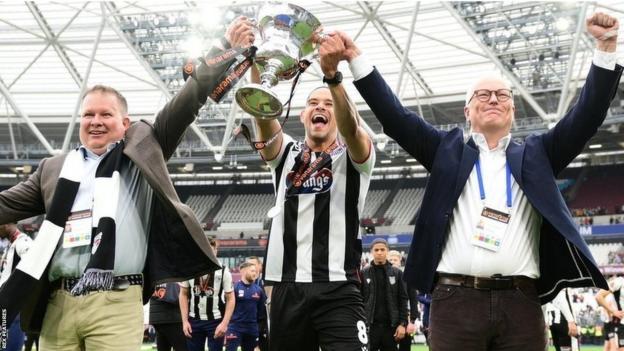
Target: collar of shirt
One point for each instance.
(88, 154)
(482, 144)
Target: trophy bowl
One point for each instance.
(286, 37)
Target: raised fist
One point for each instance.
(602, 26)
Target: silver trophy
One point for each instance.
(286, 37)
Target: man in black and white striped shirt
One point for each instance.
(204, 313)
(314, 249)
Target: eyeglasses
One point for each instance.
(484, 95)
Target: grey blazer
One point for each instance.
(177, 248)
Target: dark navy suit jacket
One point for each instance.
(565, 259)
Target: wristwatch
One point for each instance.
(335, 80)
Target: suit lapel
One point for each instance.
(467, 162)
(146, 154)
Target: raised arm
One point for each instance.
(568, 138)
(171, 122)
(347, 117)
(419, 138)
(267, 128)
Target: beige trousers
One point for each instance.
(102, 321)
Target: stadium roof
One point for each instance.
(429, 52)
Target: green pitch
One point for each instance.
(147, 347)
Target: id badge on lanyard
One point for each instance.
(490, 230)
(78, 229)
(492, 223)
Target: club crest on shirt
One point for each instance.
(241, 293)
(96, 243)
(392, 280)
(318, 182)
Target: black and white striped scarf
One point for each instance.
(98, 274)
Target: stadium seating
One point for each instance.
(405, 205)
(201, 204)
(373, 200)
(245, 208)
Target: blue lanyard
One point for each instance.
(507, 181)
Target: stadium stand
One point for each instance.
(374, 199)
(201, 204)
(244, 211)
(599, 191)
(603, 251)
(405, 205)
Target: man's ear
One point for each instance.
(467, 113)
(126, 122)
(301, 115)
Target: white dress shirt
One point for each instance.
(519, 250)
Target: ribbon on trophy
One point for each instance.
(258, 145)
(215, 63)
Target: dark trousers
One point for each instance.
(382, 338)
(236, 338)
(202, 331)
(406, 343)
(306, 316)
(560, 337)
(170, 335)
(263, 338)
(478, 319)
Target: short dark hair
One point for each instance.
(246, 265)
(380, 241)
(254, 258)
(105, 89)
(315, 89)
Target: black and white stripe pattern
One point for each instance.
(31, 268)
(209, 305)
(316, 236)
(98, 274)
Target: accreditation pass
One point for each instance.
(490, 229)
(78, 229)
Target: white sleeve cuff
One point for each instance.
(360, 67)
(605, 59)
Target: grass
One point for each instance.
(583, 348)
(147, 347)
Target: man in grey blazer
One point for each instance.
(157, 237)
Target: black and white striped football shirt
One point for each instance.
(207, 300)
(315, 232)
